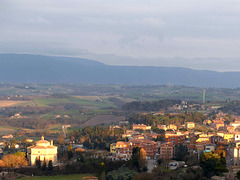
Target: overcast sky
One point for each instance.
(199, 34)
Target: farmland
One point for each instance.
(6, 103)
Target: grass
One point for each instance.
(59, 177)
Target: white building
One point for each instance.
(43, 150)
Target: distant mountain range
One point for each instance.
(21, 68)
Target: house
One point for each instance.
(10, 136)
(228, 137)
(189, 125)
(172, 126)
(162, 127)
(217, 124)
(29, 140)
(42, 150)
(230, 128)
(235, 124)
(141, 126)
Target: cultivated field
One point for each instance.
(6, 103)
(89, 98)
(5, 130)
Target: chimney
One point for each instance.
(51, 142)
(42, 138)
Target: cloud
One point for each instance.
(39, 20)
(154, 22)
(128, 28)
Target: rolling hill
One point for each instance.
(22, 68)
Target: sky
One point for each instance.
(198, 34)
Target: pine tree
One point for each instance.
(44, 166)
(70, 152)
(50, 165)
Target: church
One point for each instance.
(42, 149)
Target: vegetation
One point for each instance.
(150, 105)
(13, 160)
(167, 119)
(213, 164)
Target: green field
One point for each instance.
(84, 103)
(59, 177)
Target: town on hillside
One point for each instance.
(180, 143)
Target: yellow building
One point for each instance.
(42, 149)
(172, 126)
(190, 125)
(228, 137)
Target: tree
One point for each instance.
(50, 165)
(238, 174)
(70, 152)
(221, 150)
(61, 139)
(21, 154)
(44, 165)
(213, 164)
(2, 163)
(38, 162)
(11, 160)
(139, 159)
(181, 152)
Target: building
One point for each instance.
(237, 137)
(7, 137)
(43, 150)
(141, 126)
(124, 149)
(149, 146)
(113, 148)
(230, 128)
(162, 127)
(203, 138)
(172, 126)
(235, 124)
(236, 155)
(217, 124)
(216, 139)
(209, 148)
(189, 125)
(175, 138)
(166, 150)
(228, 137)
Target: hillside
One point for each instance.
(16, 68)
